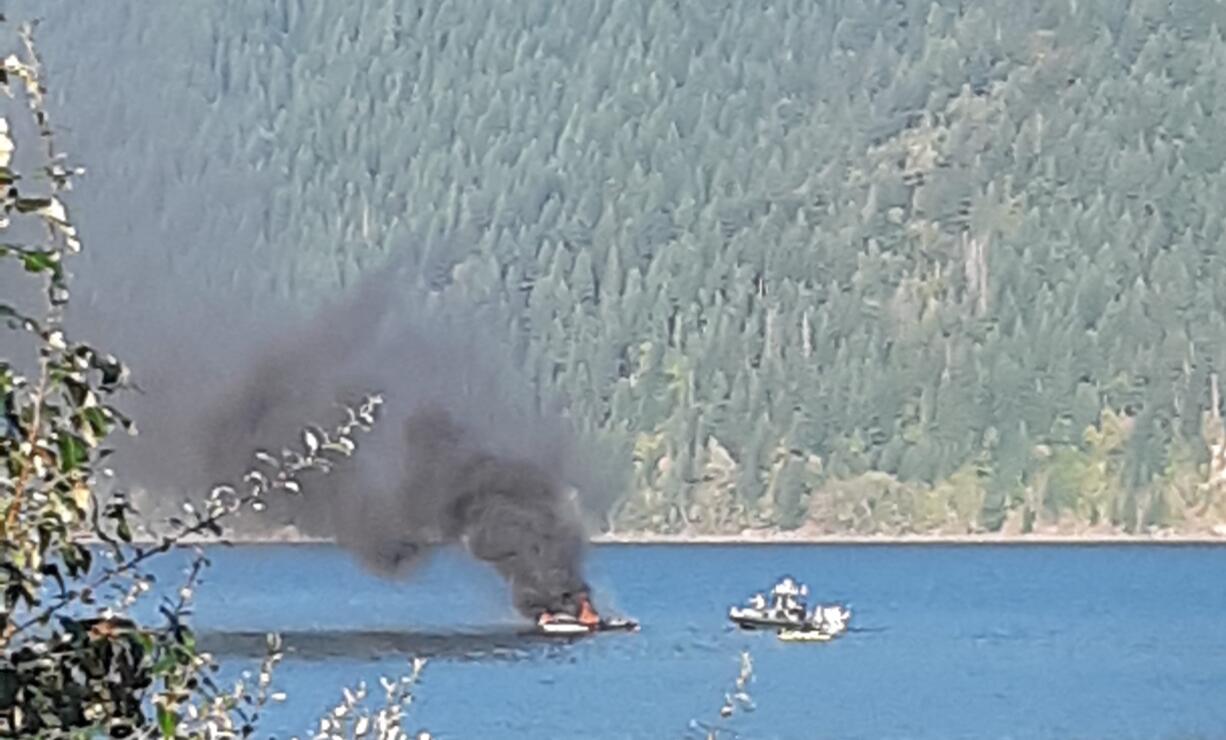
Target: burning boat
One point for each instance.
(588, 621)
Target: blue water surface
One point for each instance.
(948, 642)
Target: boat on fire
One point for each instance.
(588, 621)
(565, 624)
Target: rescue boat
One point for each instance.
(784, 609)
(786, 613)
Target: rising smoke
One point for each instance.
(180, 281)
(460, 455)
(462, 452)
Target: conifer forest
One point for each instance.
(826, 266)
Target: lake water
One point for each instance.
(948, 642)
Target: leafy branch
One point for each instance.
(282, 475)
(70, 666)
(351, 719)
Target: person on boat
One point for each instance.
(820, 621)
(792, 603)
(789, 587)
(830, 619)
(786, 594)
(758, 602)
(786, 587)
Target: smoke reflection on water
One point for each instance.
(321, 645)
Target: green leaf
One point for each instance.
(29, 205)
(167, 721)
(78, 560)
(73, 452)
(40, 261)
(164, 664)
(98, 422)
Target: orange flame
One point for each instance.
(587, 615)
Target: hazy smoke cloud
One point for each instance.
(461, 455)
(180, 282)
(461, 452)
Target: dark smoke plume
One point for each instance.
(461, 454)
(179, 280)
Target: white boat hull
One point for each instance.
(564, 628)
(567, 627)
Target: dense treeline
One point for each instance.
(846, 265)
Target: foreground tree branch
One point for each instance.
(72, 662)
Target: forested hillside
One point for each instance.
(851, 266)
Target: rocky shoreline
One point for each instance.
(783, 538)
(1215, 536)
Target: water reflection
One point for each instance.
(477, 645)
